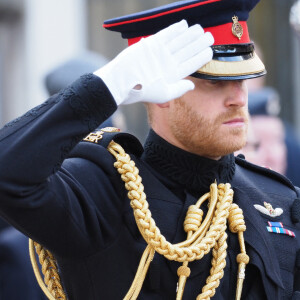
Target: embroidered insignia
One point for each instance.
(96, 136)
(237, 29)
(268, 210)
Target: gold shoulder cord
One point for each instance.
(201, 237)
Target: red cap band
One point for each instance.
(135, 40)
(222, 34)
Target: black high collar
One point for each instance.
(192, 172)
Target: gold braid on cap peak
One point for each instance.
(201, 236)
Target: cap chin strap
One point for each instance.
(201, 236)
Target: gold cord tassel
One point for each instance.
(237, 225)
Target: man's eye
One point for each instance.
(214, 82)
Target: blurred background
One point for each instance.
(36, 37)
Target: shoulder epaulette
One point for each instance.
(105, 135)
(264, 171)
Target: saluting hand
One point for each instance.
(153, 70)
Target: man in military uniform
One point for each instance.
(71, 195)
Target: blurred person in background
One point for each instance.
(64, 74)
(266, 137)
(272, 142)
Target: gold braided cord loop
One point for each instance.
(187, 251)
(52, 286)
(201, 236)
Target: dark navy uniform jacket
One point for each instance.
(69, 197)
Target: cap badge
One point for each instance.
(237, 29)
(268, 210)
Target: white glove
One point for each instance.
(153, 69)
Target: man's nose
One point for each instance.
(237, 93)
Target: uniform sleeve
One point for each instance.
(37, 195)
